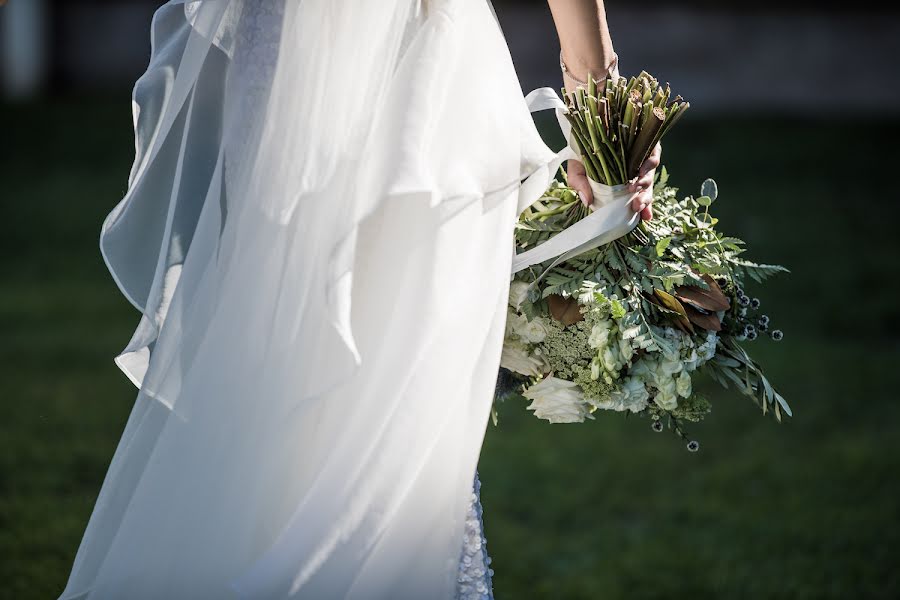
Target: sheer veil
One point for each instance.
(311, 235)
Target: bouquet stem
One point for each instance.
(616, 124)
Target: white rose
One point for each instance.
(518, 291)
(534, 331)
(683, 384)
(557, 401)
(636, 390)
(517, 323)
(517, 357)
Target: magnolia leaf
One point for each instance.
(710, 189)
(707, 321)
(671, 302)
(711, 299)
(564, 310)
(704, 201)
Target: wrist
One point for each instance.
(576, 73)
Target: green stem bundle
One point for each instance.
(616, 124)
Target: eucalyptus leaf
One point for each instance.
(709, 189)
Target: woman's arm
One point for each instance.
(587, 49)
(583, 37)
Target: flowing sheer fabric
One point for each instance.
(318, 234)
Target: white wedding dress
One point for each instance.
(318, 234)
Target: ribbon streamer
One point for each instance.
(612, 216)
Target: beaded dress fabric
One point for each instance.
(475, 572)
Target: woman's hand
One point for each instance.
(641, 186)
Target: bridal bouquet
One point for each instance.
(627, 325)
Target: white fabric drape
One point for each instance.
(318, 234)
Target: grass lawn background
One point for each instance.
(608, 509)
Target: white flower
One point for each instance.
(669, 366)
(683, 384)
(595, 369)
(516, 356)
(534, 331)
(708, 348)
(644, 368)
(625, 349)
(600, 334)
(518, 291)
(610, 358)
(667, 393)
(557, 401)
(691, 362)
(632, 395)
(516, 322)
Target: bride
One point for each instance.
(317, 232)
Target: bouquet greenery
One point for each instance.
(627, 325)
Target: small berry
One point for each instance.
(777, 335)
(762, 326)
(751, 335)
(693, 445)
(764, 319)
(754, 303)
(744, 300)
(657, 426)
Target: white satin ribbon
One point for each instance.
(612, 216)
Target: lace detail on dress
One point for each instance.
(474, 575)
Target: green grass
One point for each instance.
(805, 509)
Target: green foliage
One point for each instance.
(640, 274)
(733, 366)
